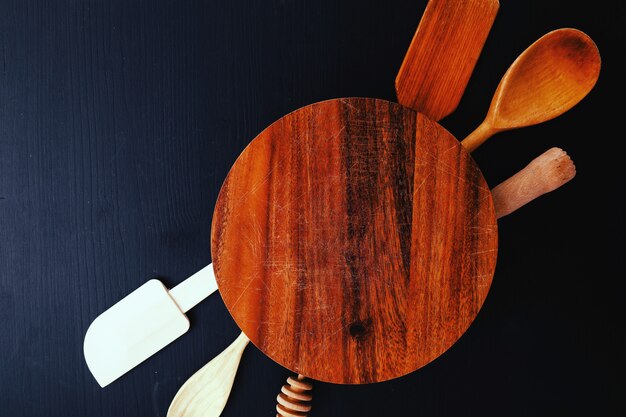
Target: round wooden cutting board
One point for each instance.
(354, 240)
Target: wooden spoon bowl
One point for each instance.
(354, 240)
(546, 80)
(549, 78)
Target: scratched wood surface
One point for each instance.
(354, 240)
(443, 53)
(119, 121)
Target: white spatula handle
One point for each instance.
(194, 289)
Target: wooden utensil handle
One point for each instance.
(295, 398)
(545, 173)
(483, 132)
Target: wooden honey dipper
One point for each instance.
(295, 398)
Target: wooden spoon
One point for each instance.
(545, 81)
(206, 392)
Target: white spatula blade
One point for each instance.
(141, 324)
(131, 331)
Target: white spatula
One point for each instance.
(142, 323)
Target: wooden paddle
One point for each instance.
(443, 53)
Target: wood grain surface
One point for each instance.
(119, 121)
(354, 240)
(443, 53)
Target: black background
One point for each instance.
(119, 121)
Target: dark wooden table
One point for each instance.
(120, 119)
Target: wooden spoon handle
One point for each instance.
(545, 173)
(205, 394)
(483, 132)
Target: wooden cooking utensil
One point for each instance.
(546, 173)
(443, 53)
(545, 81)
(206, 392)
(295, 398)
